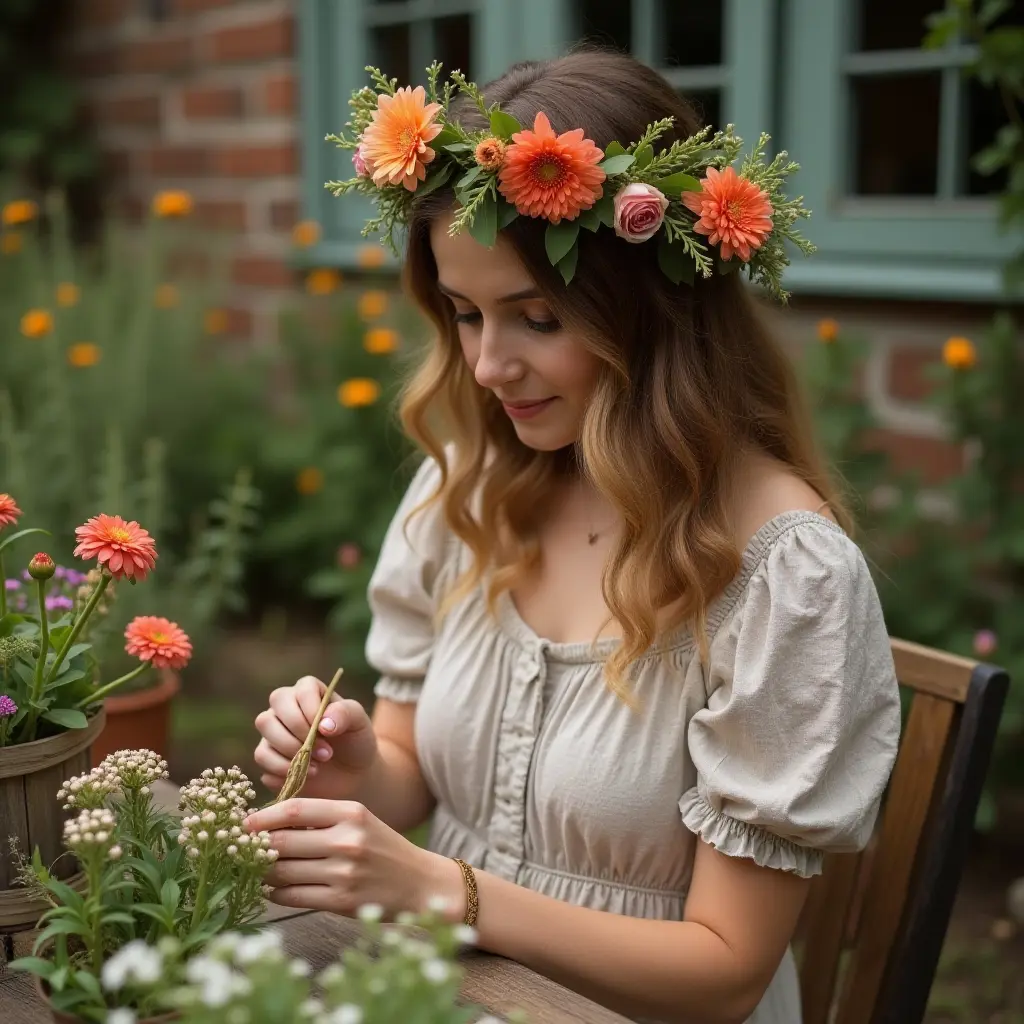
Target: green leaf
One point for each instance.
(170, 894)
(67, 718)
(675, 262)
(560, 238)
(75, 650)
(63, 926)
(8, 541)
(567, 264)
(118, 917)
(68, 896)
(644, 155)
(506, 213)
(617, 164)
(33, 965)
(605, 207)
(485, 222)
(446, 137)
(676, 184)
(726, 266)
(469, 177)
(590, 219)
(89, 983)
(159, 914)
(434, 181)
(613, 149)
(459, 147)
(504, 125)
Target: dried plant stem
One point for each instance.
(298, 769)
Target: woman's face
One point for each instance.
(541, 373)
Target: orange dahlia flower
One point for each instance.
(159, 641)
(959, 353)
(9, 511)
(732, 210)
(551, 176)
(490, 154)
(395, 143)
(123, 549)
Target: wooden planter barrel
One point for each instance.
(30, 775)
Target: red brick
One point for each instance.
(284, 214)
(258, 161)
(260, 41)
(118, 163)
(132, 208)
(95, 62)
(141, 111)
(178, 161)
(100, 13)
(212, 101)
(908, 377)
(935, 460)
(281, 94)
(263, 272)
(157, 55)
(239, 322)
(221, 213)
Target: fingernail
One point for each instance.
(322, 753)
(327, 725)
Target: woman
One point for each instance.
(631, 661)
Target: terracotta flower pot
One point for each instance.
(60, 1017)
(138, 719)
(30, 775)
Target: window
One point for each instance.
(884, 132)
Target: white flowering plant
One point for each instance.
(406, 973)
(149, 877)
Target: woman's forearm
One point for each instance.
(394, 789)
(665, 970)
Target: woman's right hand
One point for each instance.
(343, 752)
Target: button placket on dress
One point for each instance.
(517, 737)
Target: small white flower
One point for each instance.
(466, 935)
(333, 974)
(299, 969)
(134, 961)
(255, 947)
(347, 1013)
(122, 1015)
(438, 904)
(202, 836)
(371, 913)
(114, 853)
(436, 971)
(310, 1007)
(193, 852)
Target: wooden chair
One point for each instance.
(875, 922)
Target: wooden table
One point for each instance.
(497, 984)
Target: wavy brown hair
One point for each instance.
(690, 376)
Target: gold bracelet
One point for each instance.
(472, 896)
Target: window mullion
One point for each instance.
(421, 47)
(952, 135)
(645, 34)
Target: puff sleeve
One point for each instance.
(800, 730)
(402, 588)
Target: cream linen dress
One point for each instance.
(777, 751)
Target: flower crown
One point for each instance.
(706, 216)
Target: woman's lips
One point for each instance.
(526, 410)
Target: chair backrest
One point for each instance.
(872, 931)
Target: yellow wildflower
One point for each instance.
(370, 256)
(215, 321)
(306, 233)
(166, 296)
(959, 354)
(83, 354)
(10, 243)
(323, 281)
(37, 323)
(20, 211)
(380, 340)
(68, 294)
(309, 481)
(828, 330)
(358, 391)
(373, 304)
(172, 203)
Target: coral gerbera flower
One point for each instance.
(394, 144)
(123, 549)
(732, 210)
(158, 640)
(9, 511)
(549, 175)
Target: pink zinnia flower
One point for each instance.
(985, 643)
(362, 166)
(732, 210)
(164, 643)
(123, 549)
(9, 511)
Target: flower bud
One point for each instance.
(41, 567)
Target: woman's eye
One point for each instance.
(543, 326)
(466, 318)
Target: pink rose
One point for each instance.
(360, 163)
(639, 211)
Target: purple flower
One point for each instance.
(59, 601)
(7, 707)
(12, 584)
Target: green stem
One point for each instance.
(200, 903)
(94, 599)
(94, 909)
(108, 687)
(44, 640)
(3, 587)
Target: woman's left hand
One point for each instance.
(335, 855)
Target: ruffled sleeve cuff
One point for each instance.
(739, 839)
(401, 691)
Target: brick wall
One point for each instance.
(201, 95)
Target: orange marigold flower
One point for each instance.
(83, 354)
(9, 511)
(20, 211)
(37, 323)
(166, 296)
(357, 392)
(370, 256)
(379, 341)
(551, 176)
(490, 154)
(158, 640)
(959, 354)
(323, 281)
(215, 321)
(731, 210)
(828, 329)
(373, 304)
(172, 203)
(394, 144)
(10, 243)
(309, 481)
(306, 233)
(123, 549)
(68, 294)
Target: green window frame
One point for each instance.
(941, 246)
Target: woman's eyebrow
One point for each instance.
(526, 293)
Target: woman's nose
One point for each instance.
(496, 365)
